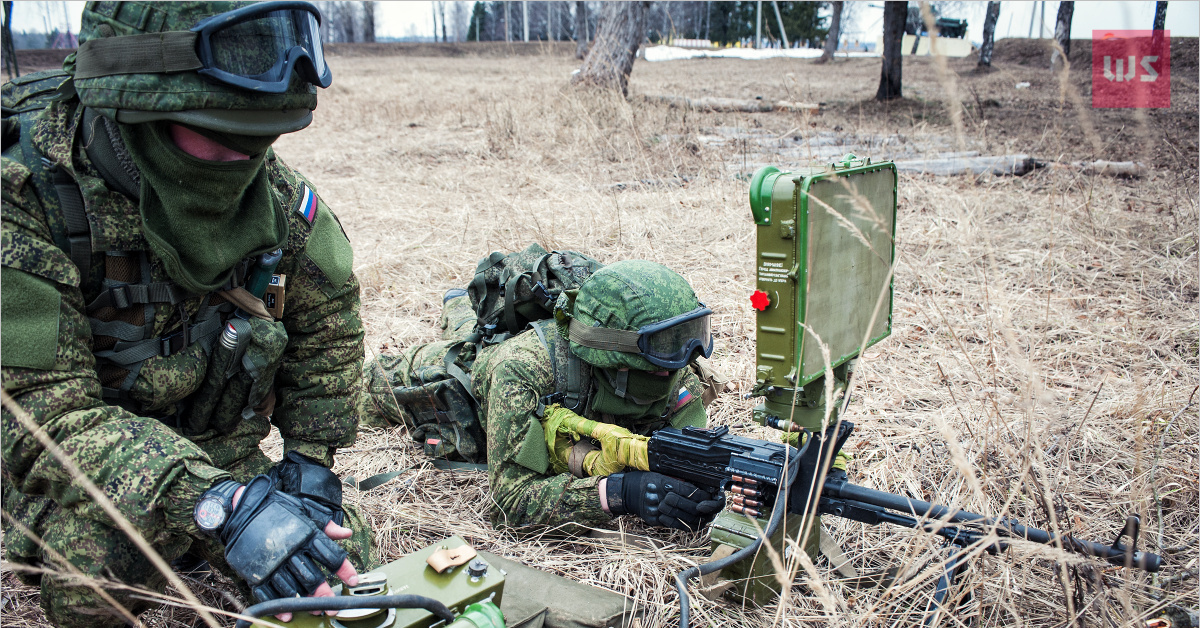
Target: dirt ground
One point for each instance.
(1043, 356)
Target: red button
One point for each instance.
(759, 300)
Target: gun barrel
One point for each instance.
(1117, 555)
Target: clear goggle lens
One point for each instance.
(260, 50)
(671, 343)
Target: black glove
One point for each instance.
(273, 544)
(301, 476)
(661, 500)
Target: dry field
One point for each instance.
(1043, 358)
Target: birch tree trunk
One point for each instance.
(609, 62)
(1062, 35)
(1160, 23)
(835, 31)
(989, 34)
(895, 14)
(581, 34)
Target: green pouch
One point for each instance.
(240, 378)
(442, 415)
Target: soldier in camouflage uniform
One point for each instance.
(140, 193)
(641, 386)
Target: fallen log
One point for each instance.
(1016, 164)
(753, 105)
(1112, 168)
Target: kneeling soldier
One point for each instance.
(144, 215)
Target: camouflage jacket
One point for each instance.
(151, 471)
(509, 380)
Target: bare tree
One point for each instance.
(895, 14)
(1062, 34)
(581, 30)
(10, 51)
(609, 62)
(835, 28)
(1160, 23)
(442, 15)
(989, 35)
(368, 21)
(460, 19)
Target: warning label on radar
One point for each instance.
(772, 272)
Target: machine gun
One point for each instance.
(776, 478)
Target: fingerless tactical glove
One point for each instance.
(274, 545)
(661, 500)
(301, 476)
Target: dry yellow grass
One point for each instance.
(1045, 336)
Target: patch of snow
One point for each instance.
(673, 53)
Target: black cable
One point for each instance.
(682, 577)
(341, 603)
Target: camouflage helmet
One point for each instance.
(142, 61)
(639, 315)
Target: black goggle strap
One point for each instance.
(603, 338)
(152, 53)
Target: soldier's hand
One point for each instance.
(277, 548)
(317, 486)
(661, 500)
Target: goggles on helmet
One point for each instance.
(669, 344)
(258, 46)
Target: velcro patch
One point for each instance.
(308, 204)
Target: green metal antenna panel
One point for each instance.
(825, 251)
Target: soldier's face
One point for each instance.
(202, 147)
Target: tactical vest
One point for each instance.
(121, 301)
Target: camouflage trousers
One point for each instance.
(99, 552)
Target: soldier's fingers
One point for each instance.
(347, 573)
(711, 506)
(306, 572)
(284, 583)
(674, 502)
(284, 617)
(337, 532)
(326, 552)
(324, 591)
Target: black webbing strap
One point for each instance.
(79, 232)
(454, 465)
(540, 329)
(510, 303)
(572, 385)
(126, 353)
(578, 384)
(456, 371)
(125, 295)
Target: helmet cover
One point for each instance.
(629, 295)
(185, 96)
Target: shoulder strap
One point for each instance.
(572, 377)
(79, 232)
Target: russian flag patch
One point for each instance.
(308, 205)
(684, 397)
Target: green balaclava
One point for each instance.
(629, 295)
(202, 217)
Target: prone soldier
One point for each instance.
(623, 350)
